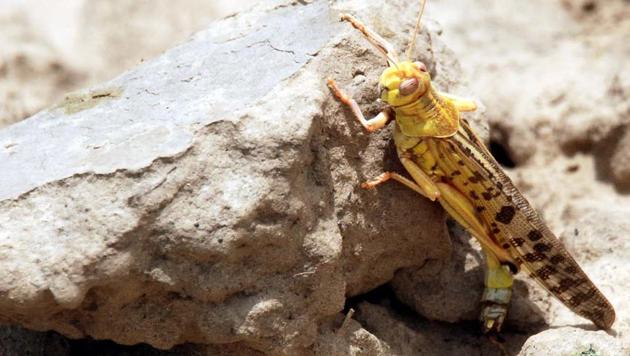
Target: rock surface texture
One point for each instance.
(211, 195)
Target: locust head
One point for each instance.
(404, 83)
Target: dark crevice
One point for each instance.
(501, 154)
(468, 330)
(382, 295)
(90, 346)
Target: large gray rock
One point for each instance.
(572, 341)
(211, 194)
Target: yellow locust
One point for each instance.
(448, 163)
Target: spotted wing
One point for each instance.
(516, 226)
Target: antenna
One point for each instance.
(412, 43)
(377, 41)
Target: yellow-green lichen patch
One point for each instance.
(75, 102)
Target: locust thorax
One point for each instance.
(404, 82)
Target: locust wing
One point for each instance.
(517, 228)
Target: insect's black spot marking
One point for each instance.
(545, 272)
(506, 214)
(474, 195)
(476, 177)
(534, 256)
(487, 195)
(496, 231)
(499, 186)
(558, 290)
(493, 224)
(542, 247)
(600, 303)
(579, 298)
(434, 167)
(576, 300)
(460, 162)
(509, 198)
(571, 269)
(518, 242)
(505, 246)
(567, 283)
(556, 259)
(534, 235)
(455, 173)
(480, 208)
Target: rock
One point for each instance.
(17, 341)
(620, 161)
(211, 194)
(450, 290)
(405, 334)
(50, 49)
(111, 46)
(446, 291)
(348, 338)
(572, 341)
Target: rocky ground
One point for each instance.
(211, 206)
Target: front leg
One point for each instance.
(374, 124)
(462, 104)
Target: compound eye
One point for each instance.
(408, 86)
(421, 66)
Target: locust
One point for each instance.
(448, 163)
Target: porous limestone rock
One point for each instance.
(211, 194)
(572, 341)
